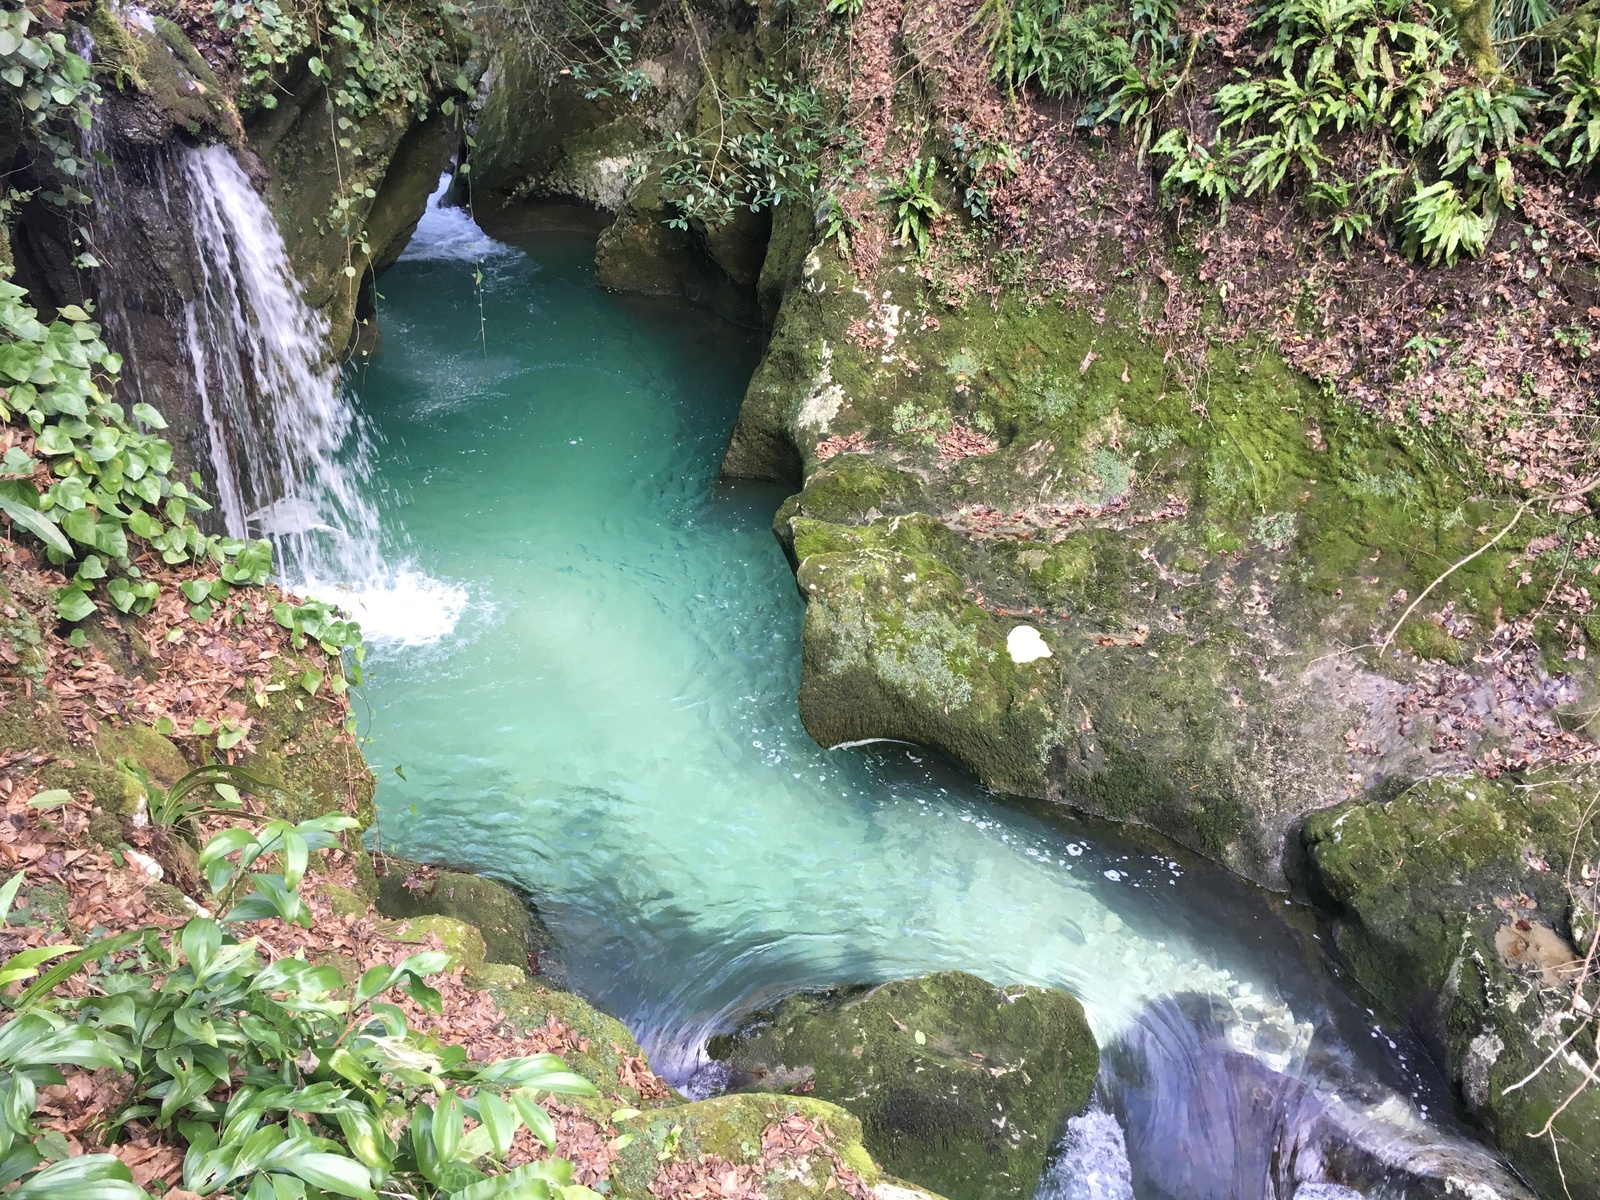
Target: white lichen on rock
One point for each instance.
(826, 398)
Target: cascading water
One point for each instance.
(283, 433)
(290, 458)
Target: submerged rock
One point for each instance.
(1197, 1113)
(958, 1085)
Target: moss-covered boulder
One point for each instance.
(958, 1085)
(745, 1136)
(407, 889)
(1027, 539)
(1456, 910)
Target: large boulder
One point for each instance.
(511, 935)
(1461, 901)
(1024, 539)
(959, 1085)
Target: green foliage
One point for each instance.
(765, 151)
(982, 163)
(322, 623)
(180, 807)
(111, 480)
(1439, 225)
(53, 88)
(373, 56)
(1372, 74)
(1207, 172)
(278, 1078)
(838, 226)
(1336, 199)
(97, 485)
(1577, 101)
(916, 207)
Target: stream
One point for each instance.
(585, 657)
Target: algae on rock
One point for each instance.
(959, 1085)
(1455, 911)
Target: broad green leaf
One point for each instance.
(36, 523)
(500, 1120)
(8, 894)
(332, 1173)
(535, 1118)
(73, 605)
(52, 798)
(87, 1177)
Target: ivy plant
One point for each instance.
(55, 91)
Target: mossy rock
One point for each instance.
(959, 1085)
(730, 1127)
(1194, 563)
(499, 914)
(1455, 913)
(527, 1005)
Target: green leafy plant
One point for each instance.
(838, 226)
(1336, 199)
(95, 478)
(278, 1078)
(766, 150)
(1577, 101)
(916, 207)
(55, 90)
(1208, 173)
(1439, 225)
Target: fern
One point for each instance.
(1439, 225)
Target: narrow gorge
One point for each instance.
(737, 600)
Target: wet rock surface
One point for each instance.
(959, 1085)
(1456, 911)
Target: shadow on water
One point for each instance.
(608, 722)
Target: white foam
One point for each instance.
(449, 234)
(403, 607)
(1091, 1162)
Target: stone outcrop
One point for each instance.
(959, 1085)
(1455, 908)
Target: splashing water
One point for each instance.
(290, 458)
(449, 234)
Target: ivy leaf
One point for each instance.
(73, 604)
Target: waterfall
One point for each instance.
(293, 462)
(199, 294)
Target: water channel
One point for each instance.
(583, 678)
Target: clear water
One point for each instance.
(610, 724)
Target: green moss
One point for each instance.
(1426, 882)
(43, 906)
(731, 1127)
(892, 648)
(853, 488)
(499, 914)
(958, 1085)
